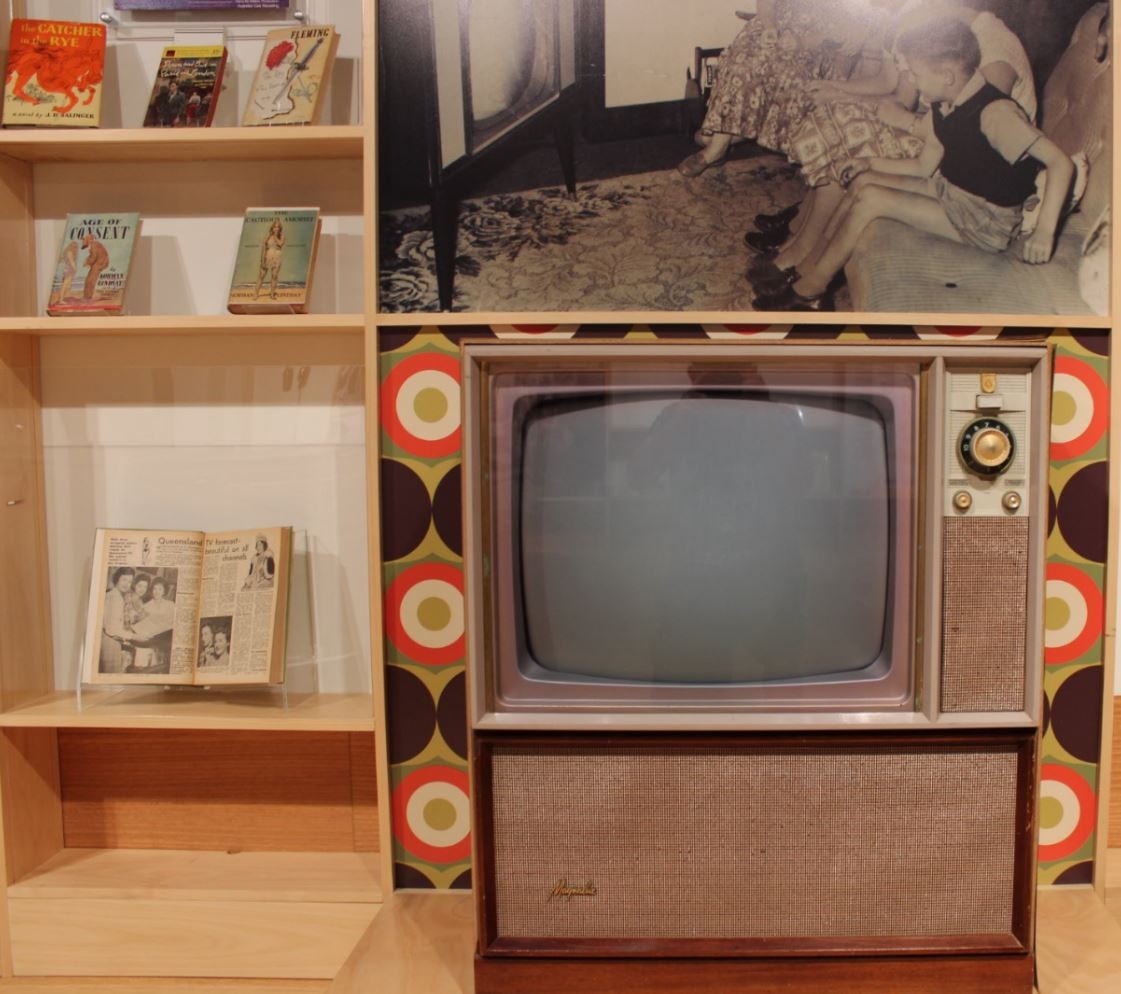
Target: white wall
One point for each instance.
(650, 44)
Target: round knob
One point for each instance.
(963, 500)
(987, 446)
(1011, 501)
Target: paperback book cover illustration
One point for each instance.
(292, 76)
(275, 261)
(54, 74)
(188, 81)
(93, 264)
(187, 607)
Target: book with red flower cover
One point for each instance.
(54, 74)
(292, 76)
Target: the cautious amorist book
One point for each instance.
(292, 76)
(93, 264)
(54, 74)
(275, 261)
(187, 607)
(188, 82)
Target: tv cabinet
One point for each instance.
(156, 833)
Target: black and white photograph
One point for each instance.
(214, 642)
(138, 619)
(887, 156)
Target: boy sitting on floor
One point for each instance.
(969, 184)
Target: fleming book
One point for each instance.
(188, 81)
(93, 264)
(176, 607)
(54, 74)
(292, 76)
(275, 261)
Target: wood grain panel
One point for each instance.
(364, 786)
(17, 288)
(167, 874)
(1078, 944)
(1115, 779)
(184, 938)
(25, 639)
(142, 789)
(32, 811)
(162, 985)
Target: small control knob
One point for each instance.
(1011, 501)
(963, 500)
(987, 446)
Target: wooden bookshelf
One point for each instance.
(169, 836)
(159, 708)
(146, 325)
(181, 145)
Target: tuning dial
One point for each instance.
(987, 446)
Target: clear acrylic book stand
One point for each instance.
(301, 668)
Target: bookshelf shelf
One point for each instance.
(187, 833)
(144, 325)
(190, 912)
(158, 708)
(182, 145)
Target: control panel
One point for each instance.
(987, 424)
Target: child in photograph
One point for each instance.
(979, 163)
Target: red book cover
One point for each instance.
(54, 74)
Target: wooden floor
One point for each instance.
(425, 943)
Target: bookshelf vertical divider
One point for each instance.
(149, 839)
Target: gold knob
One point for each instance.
(1011, 501)
(991, 447)
(963, 500)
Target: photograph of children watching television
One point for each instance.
(778, 155)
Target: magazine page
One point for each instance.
(243, 606)
(143, 607)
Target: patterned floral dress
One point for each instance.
(760, 87)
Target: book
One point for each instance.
(93, 264)
(275, 261)
(292, 76)
(54, 74)
(188, 81)
(187, 607)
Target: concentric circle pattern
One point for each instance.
(1079, 408)
(432, 814)
(420, 404)
(1067, 812)
(421, 484)
(424, 613)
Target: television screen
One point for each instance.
(686, 536)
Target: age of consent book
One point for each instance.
(54, 74)
(188, 82)
(93, 264)
(275, 261)
(292, 76)
(182, 607)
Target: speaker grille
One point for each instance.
(984, 611)
(744, 842)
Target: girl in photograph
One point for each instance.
(115, 633)
(153, 631)
(262, 568)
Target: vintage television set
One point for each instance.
(755, 663)
(457, 79)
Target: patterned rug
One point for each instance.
(652, 241)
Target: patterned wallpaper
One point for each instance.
(423, 582)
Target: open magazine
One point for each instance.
(172, 607)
